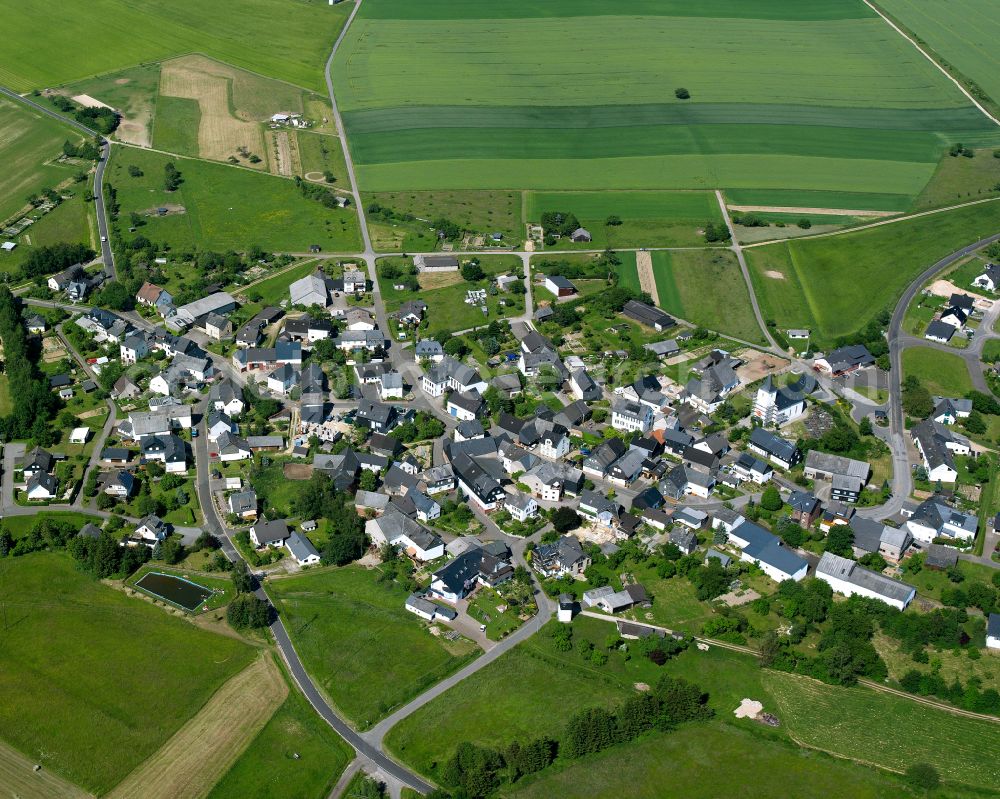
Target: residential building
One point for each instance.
(845, 360)
(938, 444)
(805, 508)
(564, 556)
(934, 519)
(766, 551)
(243, 504)
(849, 578)
(559, 286)
(778, 450)
(521, 507)
(848, 477)
(871, 536)
(272, 533)
(631, 417)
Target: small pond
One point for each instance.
(173, 589)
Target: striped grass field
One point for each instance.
(577, 96)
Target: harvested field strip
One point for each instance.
(197, 756)
(864, 725)
(18, 778)
(220, 134)
(647, 281)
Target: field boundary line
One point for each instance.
(197, 756)
(931, 58)
(791, 209)
(892, 221)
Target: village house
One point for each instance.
(849, 578)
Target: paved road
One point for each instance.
(102, 222)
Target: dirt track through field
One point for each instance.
(17, 778)
(284, 152)
(647, 280)
(220, 134)
(204, 749)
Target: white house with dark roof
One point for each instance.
(849, 578)
(933, 518)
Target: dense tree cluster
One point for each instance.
(104, 120)
(171, 177)
(87, 150)
(248, 611)
(319, 499)
(561, 223)
(48, 260)
(421, 428)
(105, 557)
(314, 191)
(33, 403)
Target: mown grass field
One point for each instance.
(133, 92)
(363, 649)
(941, 373)
(961, 32)
(95, 682)
(29, 142)
(864, 724)
(706, 287)
(286, 39)
(835, 284)
(688, 761)
(227, 207)
(275, 289)
(296, 754)
(648, 218)
(444, 96)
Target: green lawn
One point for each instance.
(275, 289)
(441, 95)
(133, 92)
(835, 284)
(320, 152)
(706, 761)
(706, 287)
(942, 373)
(95, 682)
(29, 141)
(18, 526)
(227, 207)
(175, 126)
(648, 218)
(362, 647)
(5, 401)
(296, 754)
(108, 35)
(865, 724)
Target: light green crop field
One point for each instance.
(942, 373)
(963, 33)
(648, 218)
(296, 754)
(94, 682)
(706, 287)
(70, 221)
(227, 207)
(835, 284)
(29, 143)
(568, 95)
(865, 724)
(287, 39)
(364, 650)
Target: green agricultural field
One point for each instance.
(29, 143)
(365, 651)
(569, 95)
(962, 33)
(864, 724)
(706, 287)
(286, 39)
(175, 126)
(94, 681)
(648, 218)
(296, 754)
(688, 760)
(835, 284)
(227, 207)
(959, 180)
(319, 153)
(941, 373)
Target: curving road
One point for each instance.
(102, 221)
(901, 477)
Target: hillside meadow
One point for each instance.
(835, 285)
(93, 681)
(225, 207)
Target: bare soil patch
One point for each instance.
(438, 280)
(172, 209)
(647, 280)
(136, 129)
(774, 274)
(298, 471)
(18, 778)
(90, 102)
(785, 209)
(759, 365)
(283, 152)
(204, 749)
(945, 288)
